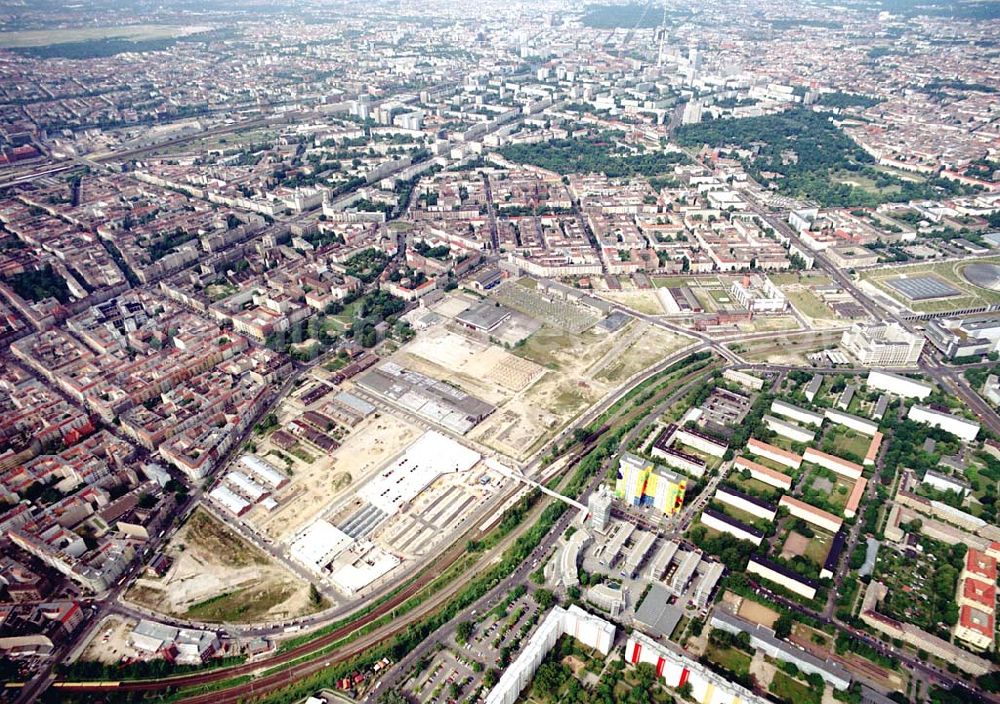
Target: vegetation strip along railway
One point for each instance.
(320, 652)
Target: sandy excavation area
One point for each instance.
(479, 368)
(218, 577)
(580, 369)
(370, 444)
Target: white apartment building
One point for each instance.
(758, 294)
(801, 415)
(899, 385)
(882, 344)
(774, 572)
(590, 630)
(795, 433)
(965, 429)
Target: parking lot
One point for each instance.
(458, 669)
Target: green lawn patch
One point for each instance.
(793, 691)
(736, 661)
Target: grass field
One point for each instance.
(838, 497)
(752, 485)
(803, 277)
(674, 281)
(913, 177)
(850, 441)
(542, 346)
(793, 691)
(951, 272)
(776, 466)
(863, 182)
(721, 296)
(808, 304)
(819, 547)
(736, 661)
(706, 298)
(784, 443)
(771, 323)
(242, 605)
(652, 345)
(344, 319)
(135, 32)
(745, 517)
(214, 538)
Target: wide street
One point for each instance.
(720, 345)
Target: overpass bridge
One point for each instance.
(503, 469)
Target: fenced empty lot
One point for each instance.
(571, 317)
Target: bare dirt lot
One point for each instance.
(794, 546)
(482, 369)
(644, 301)
(582, 369)
(217, 576)
(791, 350)
(109, 643)
(647, 346)
(757, 613)
(315, 486)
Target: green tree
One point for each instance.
(463, 632)
(783, 626)
(491, 677)
(550, 678)
(545, 598)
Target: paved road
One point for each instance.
(395, 677)
(104, 604)
(937, 674)
(494, 233)
(952, 379)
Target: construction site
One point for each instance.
(217, 576)
(416, 503)
(371, 467)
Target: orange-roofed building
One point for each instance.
(975, 627)
(980, 566)
(854, 500)
(873, 448)
(978, 594)
(775, 454)
(764, 474)
(833, 463)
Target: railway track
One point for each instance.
(310, 652)
(435, 569)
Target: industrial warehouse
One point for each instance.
(408, 506)
(619, 352)
(433, 400)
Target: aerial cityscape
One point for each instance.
(423, 351)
